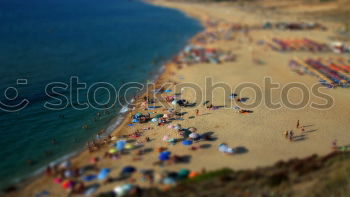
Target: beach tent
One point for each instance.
(103, 174)
(187, 142)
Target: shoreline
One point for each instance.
(166, 75)
(81, 154)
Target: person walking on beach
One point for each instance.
(298, 124)
(197, 112)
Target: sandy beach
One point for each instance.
(260, 133)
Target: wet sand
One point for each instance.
(261, 133)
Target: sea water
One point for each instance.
(46, 41)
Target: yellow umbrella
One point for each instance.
(112, 150)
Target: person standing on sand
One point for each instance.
(291, 135)
(298, 124)
(286, 134)
(334, 145)
(197, 112)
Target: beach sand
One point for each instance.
(261, 133)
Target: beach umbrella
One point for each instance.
(177, 127)
(112, 150)
(174, 102)
(169, 181)
(68, 173)
(129, 146)
(167, 90)
(192, 129)
(172, 141)
(194, 135)
(65, 164)
(94, 160)
(103, 173)
(154, 120)
(186, 133)
(128, 169)
(135, 120)
(183, 173)
(120, 145)
(67, 184)
(114, 138)
(89, 178)
(159, 116)
(193, 174)
(57, 180)
(91, 190)
(164, 156)
(124, 189)
(165, 138)
(138, 114)
(225, 149)
(187, 142)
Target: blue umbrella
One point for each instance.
(163, 156)
(89, 178)
(120, 145)
(187, 142)
(103, 173)
(128, 169)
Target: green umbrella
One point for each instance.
(159, 115)
(183, 173)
